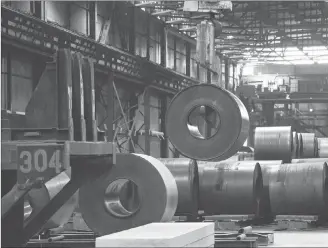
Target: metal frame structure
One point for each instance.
(255, 30)
(28, 32)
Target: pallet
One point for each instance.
(296, 221)
(229, 222)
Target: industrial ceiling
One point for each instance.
(283, 32)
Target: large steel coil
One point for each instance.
(230, 187)
(309, 160)
(185, 173)
(273, 143)
(269, 171)
(37, 198)
(104, 202)
(300, 145)
(226, 118)
(323, 147)
(309, 145)
(295, 146)
(300, 189)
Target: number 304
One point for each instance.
(40, 161)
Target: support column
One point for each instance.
(175, 53)
(132, 31)
(38, 9)
(9, 84)
(188, 59)
(164, 142)
(163, 47)
(110, 107)
(147, 120)
(93, 19)
(226, 73)
(148, 37)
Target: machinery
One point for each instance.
(59, 135)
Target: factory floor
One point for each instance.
(316, 237)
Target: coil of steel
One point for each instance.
(225, 115)
(230, 187)
(138, 190)
(300, 189)
(273, 143)
(309, 145)
(309, 160)
(37, 198)
(295, 149)
(269, 170)
(185, 173)
(300, 145)
(323, 147)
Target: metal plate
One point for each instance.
(233, 118)
(44, 160)
(300, 189)
(225, 185)
(309, 145)
(323, 147)
(185, 173)
(273, 143)
(101, 205)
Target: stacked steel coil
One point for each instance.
(310, 145)
(223, 115)
(323, 147)
(273, 143)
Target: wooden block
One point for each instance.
(204, 242)
(158, 235)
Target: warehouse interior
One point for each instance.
(164, 123)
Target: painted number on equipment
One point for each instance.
(38, 160)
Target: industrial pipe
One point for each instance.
(230, 187)
(309, 145)
(300, 189)
(155, 195)
(200, 117)
(273, 143)
(185, 173)
(323, 147)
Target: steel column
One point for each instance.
(110, 108)
(164, 142)
(188, 59)
(226, 73)
(174, 53)
(132, 31)
(38, 9)
(148, 37)
(93, 19)
(147, 120)
(163, 47)
(9, 84)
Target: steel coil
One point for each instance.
(295, 146)
(300, 189)
(230, 188)
(37, 198)
(273, 143)
(143, 178)
(323, 147)
(185, 173)
(309, 160)
(309, 145)
(269, 171)
(225, 115)
(300, 145)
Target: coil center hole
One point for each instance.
(122, 198)
(203, 122)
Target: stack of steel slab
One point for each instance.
(162, 235)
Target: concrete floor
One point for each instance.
(315, 238)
